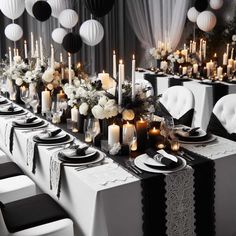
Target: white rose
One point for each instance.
(83, 109)
(48, 76)
(234, 37)
(128, 114)
(19, 81)
(28, 74)
(102, 100)
(17, 59)
(98, 112)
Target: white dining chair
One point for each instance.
(14, 184)
(178, 100)
(223, 118)
(38, 215)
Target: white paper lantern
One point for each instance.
(13, 32)
(68, 18)
(193, 14)
(216, 4)
(29, 5)
(12, 9)
(58, 35)
(206, 21)
(57, 7)
(91, 32)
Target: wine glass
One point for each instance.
(25, 96)
(169, 122)
(91, 128)
(12, 93)
(34, 102)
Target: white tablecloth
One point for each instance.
(203, 95)
(106, 200)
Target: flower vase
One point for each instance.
(18, 99)
(104, 128)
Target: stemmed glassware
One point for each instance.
(34, 102)
(25, 96)
(91, 129)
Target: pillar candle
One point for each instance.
(114, 64)
(234, 64)
(120, 81)
(105, 79)
(232, 53)
(190, 46)
(46, 100)
(184, 70)
(231, 62)
(133, 78)
(195, 68)
(41, 49)
(25, 49)
(225, 58)
(204, 49)
(154, 135)
(141, 128)
(52, 57)
(229, 68)
(128, 133)
(219, 71)
(36, 49)
(69, 66)
(208, 67)
(74, 114)
(113, 134)
(194, 47)
(32, 44)
(61, 57)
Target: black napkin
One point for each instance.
(185, 119)
(50, 134)
(159, 157)
(30, 120)
(215, 127)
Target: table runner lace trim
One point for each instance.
(179, 195)
(31, 154)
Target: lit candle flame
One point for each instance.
(121, 61)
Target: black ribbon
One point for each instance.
(177, 81)
(185, 119)
(215, 127)
(219, 90)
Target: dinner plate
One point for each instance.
(44, 124)
(70, 139)
(58, 136)
(209, 140)
(201, 134)
(64, 138)
(140, 161)
(100, 158)
(23, 123)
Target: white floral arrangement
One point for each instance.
(234, 39)
(91, 99)
(161, 52)
(176, 57)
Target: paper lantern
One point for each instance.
(201, 5)
(216, 4)
(193, 14)
(57, 7)
(58, 35)
(12, 9)
(13, 32)
(91, 32)
(72, 43)
(206, 21)
(29, 6)
(99, 8)
(42, 10)
(68, 18)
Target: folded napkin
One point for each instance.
(10, 108)
(160, 156)
(49, 134)
(71, 152)
(187, 132)
(30, 120)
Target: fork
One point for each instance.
(185, 155)
(130, 164)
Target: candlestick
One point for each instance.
(32, 44)
(46, 100)
(120, 82)
(17, 52)
(232, 53)
(41, 50)
(69, 65)
(114, 64)
(225, 58)
(128, 133)
(133, 78)
(113, 134)
(219, 71)
(10, 58)
(141, 127)
(61, 57)
(229, 68)
(204, 49)
(52, 57)
(227, 50)
(25, 49)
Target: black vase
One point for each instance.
(18, 99)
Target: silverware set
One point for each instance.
(185, 155)
(86, 166)
(131, 166)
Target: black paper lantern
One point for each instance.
(72, 43)
(42, 10)
(99, 8)
(201, 5)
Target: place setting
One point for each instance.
(12, 110)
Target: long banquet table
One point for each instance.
(203, 94)
(106, 200)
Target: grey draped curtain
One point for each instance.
(118, 35)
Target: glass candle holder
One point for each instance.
(75, 127)
(88, 137)
(174, 144)
(69, 123)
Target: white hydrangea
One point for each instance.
(19, 81)
(48, 75)
(83, 108)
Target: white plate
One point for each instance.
(58, 136)
(211, 139)
(22, 122)
(99, 159)
(34, 128)
(201, 133)
(151, 161)
(140, 160)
